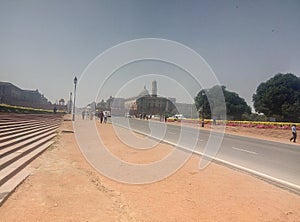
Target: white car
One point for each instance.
(178, 116)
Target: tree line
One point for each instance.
(278, 99)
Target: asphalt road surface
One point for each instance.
(277, 162)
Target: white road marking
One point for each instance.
(247, 151)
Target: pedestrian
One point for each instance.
(54, 110)
(83, 114)
(105, 117)
(214, 121)
(101, 116)
(294, 132)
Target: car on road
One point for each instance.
(178, 117)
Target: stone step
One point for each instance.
(27, 118)
(6, 128)
(15, 122)
(26, 132)
(10, 158)
(28, 115)
(11, 170)
(23, 138)
(13, 148)
(10, 186)
(18, 129)
(22, 118)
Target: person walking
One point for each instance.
(54, 110)
(101, 116)
(294, 132)
(105, 117)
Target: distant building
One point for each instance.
(117, 106)
(13, 95)
(149, 104)
(131, 103)
(152, 104)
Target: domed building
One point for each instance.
(130, 103)
(148, 104)
(144, 92)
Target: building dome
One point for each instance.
(144, 92)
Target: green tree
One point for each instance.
(279, 97)
(202, 104)
(234, 106)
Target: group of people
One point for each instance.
(102, 116)
(87, 115)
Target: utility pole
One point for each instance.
(75, 83)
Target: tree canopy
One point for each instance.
(279, 97)
(211, 100)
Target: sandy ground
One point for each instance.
(64, 187)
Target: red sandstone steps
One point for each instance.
(12, 169)
(23, 137)
(26, 117)
(18, 122)
(13, 156)
(25, 133)
(22, 129)
(4, 126)
(10, 149)
(9, 187)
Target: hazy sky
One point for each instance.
(44, 43)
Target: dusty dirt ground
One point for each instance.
(64, 187)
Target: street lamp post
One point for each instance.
(70, 105)
(75, 83)
(202, 123)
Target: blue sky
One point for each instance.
(44, 43)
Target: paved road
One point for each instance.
(277, 161)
